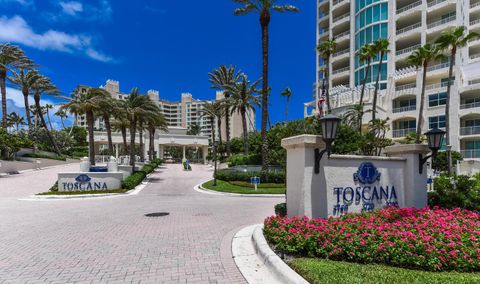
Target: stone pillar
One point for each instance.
(205, 154)
(184, 152)
(112, 166)
(301, 176)
(156, 147)
(85, 166)
(161, 148)
(415, 184)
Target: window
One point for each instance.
(472, 123)
(406, 124)
(472, 145)
(406, 103)
(437, 99)
(436, 122)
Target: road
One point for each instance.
(112, 241)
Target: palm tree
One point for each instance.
(121, 124)
(194, 129)
(155, 122)
(365, 54)
(264, 9)
(105, 111)
(211, 111)
(16, 120)
(10, 56)
(420, 58)
(220, 78)
(87, 103)
(379, 46)
(353, 117)
(287, 93)
(47, 108)
(327, 49)
(62, 114)
(452, 40)
(24, 79)
(43, 85)
(243, 101)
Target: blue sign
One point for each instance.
(367, 173)
(83, 179)
(255, 180)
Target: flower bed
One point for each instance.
(429, 239)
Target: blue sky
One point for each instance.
(169, 46)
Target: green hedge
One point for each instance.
(281, 209)
(265, 176)
(133, 180)
(241, 159)
(465, 194)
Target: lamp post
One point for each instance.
(215, 145)
(435, 139)
(329, 124)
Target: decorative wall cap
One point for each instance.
(366, 158)
(303, 141)
(406, 149)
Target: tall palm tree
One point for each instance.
(353, 117)
(43, 85)
(24, 79)
(365, 54)
(105, 111)
(327, 49)
(48, 107)
(380, 46)
(16, 120)
(420, 58)
(62, 114)
(242, 100)
(121, 124)
(220, 78)
(87, 103)
(287, 93)
(264, 8)
(452, 40)
(155, 122)
(10, 56)
(211, 110)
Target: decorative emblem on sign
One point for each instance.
(83, 179)
(367, 173)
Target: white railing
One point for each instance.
(408, 49)
(470, 105)
(405, 87)
(475, 4)
(474, 22)
(323, 33)
(335, 2)
(474, 81)
(438, 66)
(470, 154)
(403, 132)
(341, 70)
(409, 28)
(442, 22)
(474, 56)
(409, 7)
(346, 15)
(404, 109)
(436, 86)
(435, 2)
(345, 51)
(470, 130)
(342, 34)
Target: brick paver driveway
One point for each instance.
(110, 240)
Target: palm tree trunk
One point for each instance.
(49, 121)
(108, 127)
(227, 129)
(327, 93)
(3, 77)
(360, 122)
(141, 144)
(264, 21)
(27, 107)
(422, 105)
(133, 129)
(245, 131)
(124, 136)
(91, 137)
(212, 123)
(447, 110)
(374, 107)
(44, 124)
(151, 147)
(219, 124)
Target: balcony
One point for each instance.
(398, 133)
(470, 154)
(470, 105)
(474, 5)
(323, 34)
(474, 22)
(441, 22)
(474, 82)
(437, 86)
(405, 30)
(342, 36)
(474, 56)
(438, 66)
(342, 52)
(409, 7)
(341, 18)
(338, 3)
(410, 87)
(341, 70)
(404, 109)
(408, 50)
(470, 130)
(431, 4)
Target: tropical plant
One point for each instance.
(25, 79)
(243, 101)
(220, 78)
(62, 114)
(16, 120)
(380, 46)
(366, 53)
(105, 111)
(287, 93)
(420, 58)
(155, 122)
(264, 9)
(194, 129)
(211, 111)
(452, 40)
(121, 123)
(327, 49)
(48, 107)
(87, 103)
(379, 129)
(354, 116)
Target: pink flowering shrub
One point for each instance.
(430, 239)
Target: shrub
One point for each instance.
(54, 187)
(133, 180)
(465, 194)
(440, 163)
(265, 176)
(429, 239)
(281, 209)
(241, 159)
(149, 168)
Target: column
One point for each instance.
(205, 154)
(161, 150)
(184, 152)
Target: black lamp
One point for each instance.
(435, 141)
(329, 124)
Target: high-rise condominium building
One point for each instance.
(407, 24)
(182, 114)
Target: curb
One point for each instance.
(275, 264)
(34, 170)
(201, 189)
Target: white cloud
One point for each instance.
(71, 8)
(21, 2)
(17, 30)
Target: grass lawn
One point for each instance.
(83, 192)
(328, 271)
(224, 186)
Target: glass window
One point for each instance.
(376, 31)
(376, 13)
(437, 99)
(368, 16)
(368, 35)
(362, 19)
(472, 123)
(406, 124)
(436, 121)
(384, 12)
(384, 30)
(384, 72)
(368, 2)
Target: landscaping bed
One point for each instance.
(244, 187)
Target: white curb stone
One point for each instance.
(201, 189)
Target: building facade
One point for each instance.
(407, 24)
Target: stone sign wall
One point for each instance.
(89, 181)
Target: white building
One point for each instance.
(407, 24)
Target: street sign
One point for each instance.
(255, 181)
